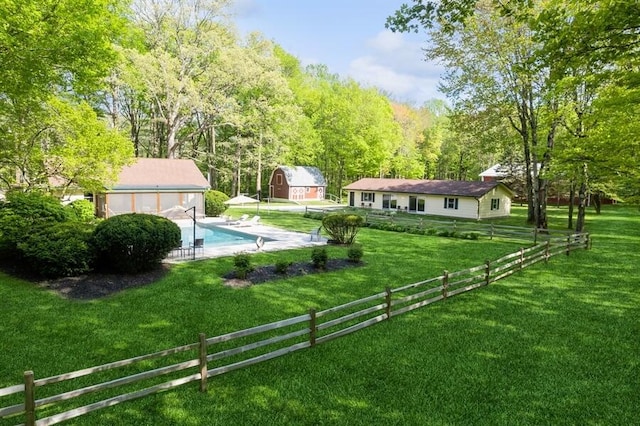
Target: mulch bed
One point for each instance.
(97, 285)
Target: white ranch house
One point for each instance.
(456, 199)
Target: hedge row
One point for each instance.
(39, 234)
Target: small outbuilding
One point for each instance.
(456, 199)
(161, 186)
(297, 183)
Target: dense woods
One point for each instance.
(553, 86)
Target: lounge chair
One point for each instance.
(240, 221)
(253, 221)
(259, 242)
(315, 233)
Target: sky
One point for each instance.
(349, 37)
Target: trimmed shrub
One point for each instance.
(60, 249)
(342, 228)
(282, 266)
(242, 262)
(82, 210)
(24, 211)
(319, 257)
(134, 242)
(214, 203)
(355, 253)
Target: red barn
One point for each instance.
(297, 183)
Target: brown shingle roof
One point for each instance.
(162, 174)
(428, 187)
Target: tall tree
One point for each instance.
(182, 38)
(493, 68)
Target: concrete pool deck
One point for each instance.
(280, 239)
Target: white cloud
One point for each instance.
(387, 41)
(402, 86)
(396, 65)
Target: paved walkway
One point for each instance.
(279, 239)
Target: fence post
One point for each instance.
(454, 225)
(29, 399)
(388, 300)
(568, 245)
(546, 251)
(312, 327)
(491, 232)
(535, 235)
(521, 257)
(487, 272)
(587, 242)
(202, 356)
(445, 283)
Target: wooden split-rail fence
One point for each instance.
(486, 229)
(74, 394)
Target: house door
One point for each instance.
(352, 197)
(413, 202)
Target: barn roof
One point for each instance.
(161, 174)
(427, 187)
(303, 176)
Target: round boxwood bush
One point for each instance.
(319, 257)
(134, 242)
(22, 212)
(59, 249)
(214, 203)
(355, 253)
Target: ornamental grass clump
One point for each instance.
(342, 228)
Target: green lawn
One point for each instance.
(555, 344)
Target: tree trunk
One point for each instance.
(582, 200)
(597, 201)
(259, 171)
(211, 158)
(572, 195)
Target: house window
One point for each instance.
(278, 179)
(368, 197)
(389, 201)
(308, 189)
(450, 203)
(421, 204)
(495, 204)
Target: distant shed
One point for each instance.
(297, 183)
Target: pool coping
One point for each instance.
(278, 239)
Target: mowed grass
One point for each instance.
(558, 343)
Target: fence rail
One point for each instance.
(210, 357)
(462, 226)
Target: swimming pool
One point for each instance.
(216, 236)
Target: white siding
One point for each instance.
(467, 207)
(504, 204)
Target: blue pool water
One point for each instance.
(216, 236)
